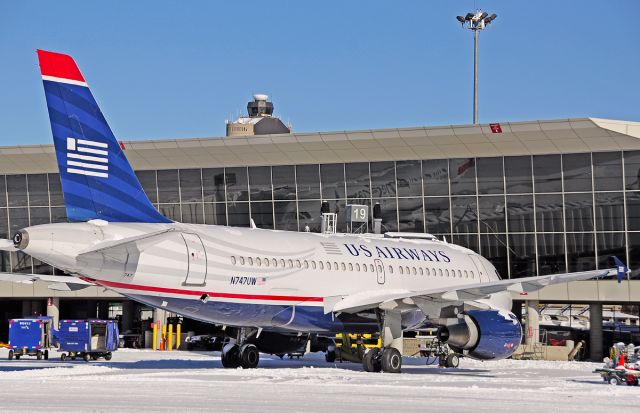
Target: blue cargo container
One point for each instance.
(30, 336)
(89, 339)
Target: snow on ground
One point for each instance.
(136, 380)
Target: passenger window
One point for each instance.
(250, 260)
(413, 270)
(372, 268)
(350, 267)
(459, 273)
(426, 270)
(420, 269)
(241, 260)
(306, 264)
(321, 265)
(391, 269)
(466, 274)
(472, 275)
(401, 270)
(380, 268)
(313, 265)
(298, 264)
(282, 263)
(364, 267)
(274, 262)
(343, 266)
(290, 263)
(335, 266)
(328, 266)
(408, 270)
(266, 262)
(440, 271)
(258, 262)
(357, 267)
(446, 272)
(233, 260)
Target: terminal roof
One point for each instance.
(423, 142)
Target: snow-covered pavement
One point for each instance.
(142, 380)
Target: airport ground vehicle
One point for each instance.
(30, 337)
(618, 376)
(89, 339)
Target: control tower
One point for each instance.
(260, 120)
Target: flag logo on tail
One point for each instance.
(86, 157)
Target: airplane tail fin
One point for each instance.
(621, 269)
(97, 180)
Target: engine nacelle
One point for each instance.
(484, 334)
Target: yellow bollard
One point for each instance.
(155, 335)
(170, 338)
(163, 343)
(178, 331)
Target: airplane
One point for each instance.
(263, 283)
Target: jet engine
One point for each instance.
(484, 334)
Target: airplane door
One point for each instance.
(197, 260)
(379, 271)
(482, 272)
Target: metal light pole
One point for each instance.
(476, 22)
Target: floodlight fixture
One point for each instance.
(476, 21)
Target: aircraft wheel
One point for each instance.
(39, 355)
(108, 356)
(86, 356)
(94, 357)
(391, 360)
(11, 353)
(230, 356)
(17, 356)
(371, 361)
(63, 357)
(453, 360)
(330, 356)
(46, 354)
(249, 356)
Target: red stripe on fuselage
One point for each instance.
(211, 294)
(59, 65)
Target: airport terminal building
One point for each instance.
(535, 197)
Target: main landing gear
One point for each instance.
(388, 358)
(243, 355)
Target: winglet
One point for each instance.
(621, 268)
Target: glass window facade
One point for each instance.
(529, 215)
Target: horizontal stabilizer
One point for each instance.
(7, 245)
(56, 282)
(140, 242)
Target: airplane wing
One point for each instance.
(56, 282)
(386, 299)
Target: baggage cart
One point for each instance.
(87, 339)
(30, 337)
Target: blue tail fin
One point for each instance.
(621, 269)
(97, 180)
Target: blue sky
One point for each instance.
(172, 69)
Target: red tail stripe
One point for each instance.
(59, 65)
(209, 293)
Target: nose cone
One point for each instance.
(21, 239)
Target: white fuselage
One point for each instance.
(190, 267)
